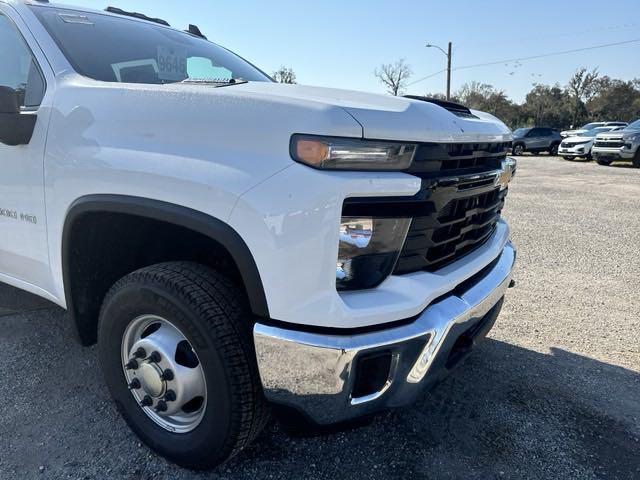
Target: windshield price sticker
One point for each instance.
(172, 64)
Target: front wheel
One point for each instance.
(518, 149)
(636, 159)
(175, 347)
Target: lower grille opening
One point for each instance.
(372, 374)
(460, 350)
(466, 342)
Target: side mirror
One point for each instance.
(16, 128)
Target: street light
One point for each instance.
(448, 55)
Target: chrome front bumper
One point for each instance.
(316, 373)
(620, 153)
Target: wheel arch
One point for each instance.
(181, 218)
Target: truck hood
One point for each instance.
(572, 133)
(384, 117)
(578, 139)
(620, 135)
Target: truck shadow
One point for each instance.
(507, 412)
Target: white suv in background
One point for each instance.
(579, 146)
(591, 126)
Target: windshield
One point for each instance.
(521, 132)
(634, 126)
(113, 49)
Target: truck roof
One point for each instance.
(112, 13)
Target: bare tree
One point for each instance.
(582, 87)
(394, 76)
(474, 94)
(285, 75)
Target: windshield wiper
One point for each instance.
(215, 81)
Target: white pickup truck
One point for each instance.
(232, 243)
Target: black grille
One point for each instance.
(610, 143)
(433, 159)
(461, 225)
(456, 210)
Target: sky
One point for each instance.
(340, 43)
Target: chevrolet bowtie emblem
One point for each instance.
(503, 177)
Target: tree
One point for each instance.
(616, 100)
(394, 76)
(581, 88)
(474, 94)
(547, 106)
(284, 75)
(485, 97)
(588, 97)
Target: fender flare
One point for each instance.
(195, 220)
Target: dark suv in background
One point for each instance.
(536, 140)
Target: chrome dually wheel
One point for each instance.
(176, 349)
(164, 373)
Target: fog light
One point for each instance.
(368, 251)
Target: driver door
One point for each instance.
(24, 258)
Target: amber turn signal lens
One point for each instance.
(351, 153)
(312, 152)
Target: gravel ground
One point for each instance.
(553, 393)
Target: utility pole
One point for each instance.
(447, 54)
(449, 73)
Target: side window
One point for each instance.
(534, 132)
(18, 67)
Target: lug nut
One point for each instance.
(135, 384)
(140, 353)
(170, 396)
(132, 365)
(161, 407)
(167, 375)
(147, 401)
(155, 357)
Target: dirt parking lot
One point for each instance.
(553, 393)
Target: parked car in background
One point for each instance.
(591, 126)
(579, 146)
(536, 140)
(620, 145)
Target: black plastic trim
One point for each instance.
(177, 215)
(453, 107)
(140, 16)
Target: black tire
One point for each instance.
(636, 159)
(604, 161)
(553, 150)
(214, 317)
(518, 149)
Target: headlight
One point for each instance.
(330, 153)
(369, 249)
